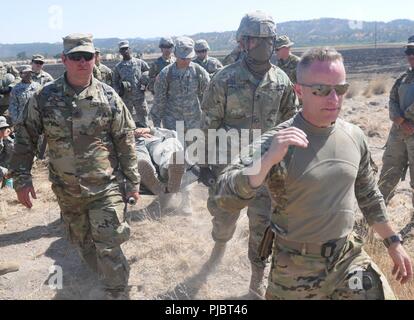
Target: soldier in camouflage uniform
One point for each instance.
(21, 94)
(92, 151)
(158, 168)
(287, 61)
(130, 80)
(210, 64)
(39, 75)
(316, 166)
(399, 154)
(7, 81)
(6, 148)
(250, 94)
(179, 89)
(167, 46)
(101, 71)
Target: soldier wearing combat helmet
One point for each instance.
(251, 94)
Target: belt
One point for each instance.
(327, 250)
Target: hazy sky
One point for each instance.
(48, 21)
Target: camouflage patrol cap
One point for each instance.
(3, 123)
(123, 44)
(411, 42)
(202, 45)
(38, 57)
(184, 48)
(25, 68)
(283, 41)
(256, 24)
(166, 43)
(78, 42)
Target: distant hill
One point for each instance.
(304, 33)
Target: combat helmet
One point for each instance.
(256, 24)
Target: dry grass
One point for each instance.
(353, 91)
(378, 252)
(376, 87)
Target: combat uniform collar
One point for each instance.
(246, 75)
(88, 92)
(310, 128)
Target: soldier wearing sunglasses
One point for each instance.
(399, 155)
(39, 75)
(316, 167)
(91, 152)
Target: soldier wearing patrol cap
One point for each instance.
(210, 64)
(130, 80)
(91, 155)
(167, 46)
(251, 94)
(39, 75)
(179, 90)
(101, 71)
(287, 61)
(399, 154)
(21, 94)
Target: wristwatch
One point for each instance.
(392, 240)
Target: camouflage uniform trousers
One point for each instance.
(137, 106)
(398, 155)
(95, 226)
(349, 275)
(225, 222)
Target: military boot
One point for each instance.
(175, 174)
(149, 178)
(257, 283)
(8, 267)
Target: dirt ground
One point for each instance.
(167, 254)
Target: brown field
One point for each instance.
(167, 255)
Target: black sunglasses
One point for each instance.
(39, 62)
(78, 56)
(167, 47)
(322, 90)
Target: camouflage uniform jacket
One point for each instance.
(211, 65)
(103, 74)
(235, 100)
(313, 189)
(90, 136)
(19, 97)
(289, 66)
(156, 67)
(6, 151)
(131, 71)
(396, 110)
(42, 78)
(178, 95)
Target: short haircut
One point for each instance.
(316, 54)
